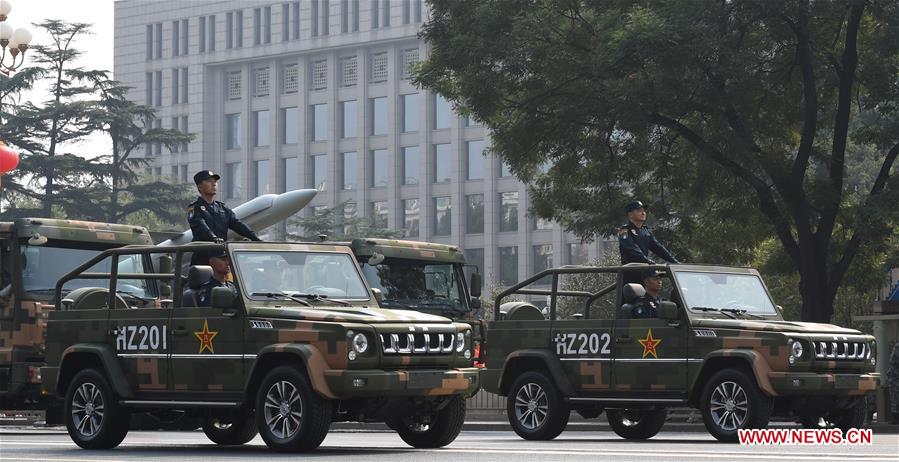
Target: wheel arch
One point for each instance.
(746, 360)
(306, 357)
(82, 356)
(522, 361)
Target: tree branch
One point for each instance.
(809, 96)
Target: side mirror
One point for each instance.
(166, 264)
(668, 310)
(475, 303)
(222, 298)
(475, 286)
(165, 290)
(379, 296)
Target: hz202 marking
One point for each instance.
(573, 343)
(140, 338)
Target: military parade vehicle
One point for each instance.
(718, 343)
(423, 276)
(299, 343)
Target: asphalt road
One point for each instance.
(492, 446)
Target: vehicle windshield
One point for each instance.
(724, 291)
(414, 284)
(43, 266)
(331, 275)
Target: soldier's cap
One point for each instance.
(205, 175)
(651, 274)
(634, 206)
(218, 253)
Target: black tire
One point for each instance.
(93, 416)
(535, 408)
(443, 429)
(636, 424)
(739, 404)
(853, 417)
(290, 395)
(230, 428)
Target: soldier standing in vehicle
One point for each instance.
(635, 241)
(221, 272)
(210, 219)
(647, 306)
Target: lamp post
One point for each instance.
(12, 42)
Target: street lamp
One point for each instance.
(16, 40)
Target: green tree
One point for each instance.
(734, 117)
(333, 223)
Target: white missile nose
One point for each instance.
(296, 199)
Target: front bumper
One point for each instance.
(418, 382)
(823, 383)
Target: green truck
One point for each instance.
(301, 343)
(718, 343)
(34, 254)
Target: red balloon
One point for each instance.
(9, 159)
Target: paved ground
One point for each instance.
(487, 446)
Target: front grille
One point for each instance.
(417, 343)
(841, 350)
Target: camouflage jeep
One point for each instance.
(718, 343)
(298, 344)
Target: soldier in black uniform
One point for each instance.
(647, 306)
(210, 219)
(635, 241)
(221, 269)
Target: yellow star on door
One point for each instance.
(205, 337)
(649, 345)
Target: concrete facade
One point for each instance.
(273, 63)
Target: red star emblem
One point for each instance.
(649, 345)
(205, 337)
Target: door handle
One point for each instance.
(622, 339)
(179, 331)
(673, 323)
(113, 332)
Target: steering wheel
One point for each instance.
(735, 304)
(313, 289)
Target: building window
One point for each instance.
(578, 254)
(355, 15)
(542, 224)
(234, 180)
(474, 257)
(474, 214)
(320, 75)
(313, 17)
(349, 71)
(443, 216)
(229, 30)
(470, 121)
(443, 112)
(379, 214)
(379, 168)
(158, 123)
(185, 33)
(443, 163)
(262, 81)
(385, 17)
(257, 26)
(184, 174)
(263, 185)
(508, 211)
(267, 23)
(320, 172)
(508, 265)
(290, 120)
(149, 39)
(416, 10)
(175, 127)
(158, 79)
(379, 71)
(375, 17)
(344, 16)
(232, 131)
(349, 215)
(326, 17)
(543, 260)
(411, 214)
(175, 86)
(349, 170)
(157, 34)
(184, 86)
(148, 77)
(233, 85)
(379, 116)
(410, 60)
(504, 169)
(295, 20)
(407, 11)
(475, 160)
(410, 112)
(348, 118)
(238, 29)
(411, 165)
(319, 122)
(285, 22)
(260, 128)
(202, 34)
(176, 38)
(291, 172)
(290, 78)
(211, 20)
(184, 130)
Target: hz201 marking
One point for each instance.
(140, 338)
(573, 343)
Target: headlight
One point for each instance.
(872, 353)
(460, 340)
(360, 343)
(796, 349)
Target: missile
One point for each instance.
(261, 212)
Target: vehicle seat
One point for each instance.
(631, 293)
(522, 311)
(196, 276)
